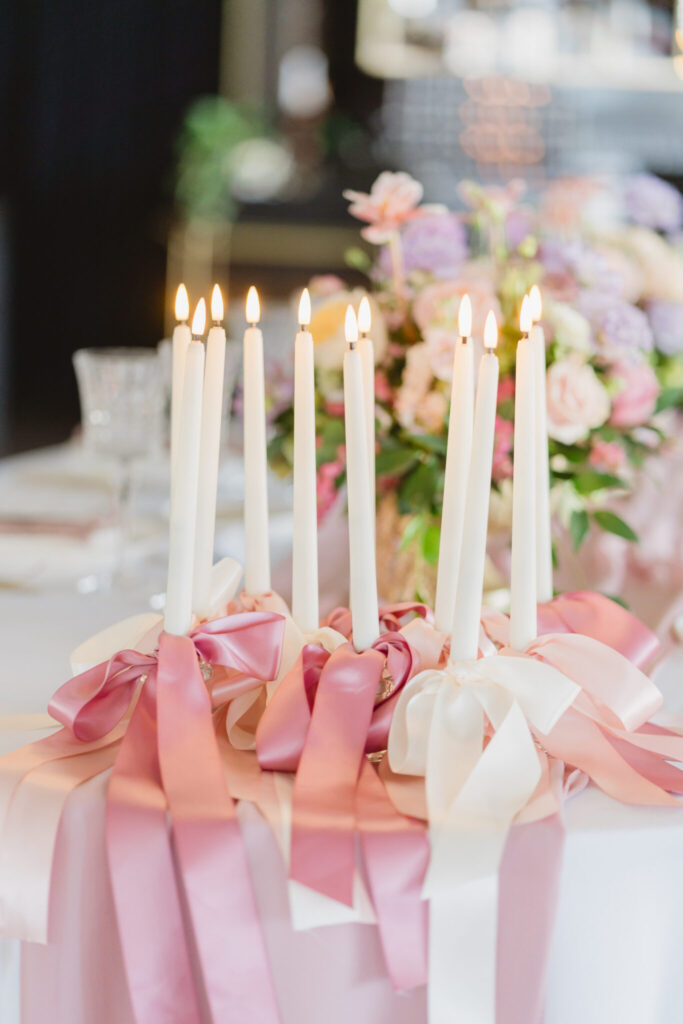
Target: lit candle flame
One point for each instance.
(525, 316)
(216, 305)
(182, 304)
(199, 319)
(535, 304)
(253, 306)
(465, 317)
(490, 331)
(351, 326)
(305, 308)
(364, 316)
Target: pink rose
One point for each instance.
(431, 411)
(607, 456)
(437, 305)
(393, 199)
(577, 400)
(636, 400)
(502, 448)
(440, 347)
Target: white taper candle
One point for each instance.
(544, 546)
(184, 486)
(467, 612)
(182, 337)
(209, 452)
(367, 354)
(363, 575)
(305, 540)
(257, 547)
(457, 467)
(523, 562)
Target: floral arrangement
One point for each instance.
(608, 257)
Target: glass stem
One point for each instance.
(123, 509)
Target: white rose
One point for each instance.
(577, 400)
(570, 328)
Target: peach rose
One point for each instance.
(327, 327)
(577, 400)
(635, 402)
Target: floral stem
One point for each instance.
(397, 268)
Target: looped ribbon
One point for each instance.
(482, 733)
(590, 614)
(466, 729)
(167, 764)
(327, 712)
(391, 617)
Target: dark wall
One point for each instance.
(92, 94)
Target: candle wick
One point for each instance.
(464, 339)
(352, 345)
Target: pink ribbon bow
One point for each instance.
(328, 711)
(391, 617)
(590, 614)
(168, 765)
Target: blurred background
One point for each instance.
(143, 141)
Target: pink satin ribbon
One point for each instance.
(168, 761)
(588, 613)
(321, 720)
(607, 733)
(391, 617)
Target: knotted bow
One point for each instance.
(168, 764)
(328, 711)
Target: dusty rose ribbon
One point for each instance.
(323, 717)
(588, 613)
(169, 760)
(391, 617)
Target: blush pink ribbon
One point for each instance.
(168, 763)
(321, 720)
(588, 613)
(607, 733)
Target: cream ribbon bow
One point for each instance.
(474, 791)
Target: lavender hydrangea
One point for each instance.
(666, 320)
(653, 203)
(588, 268)
(620, 329)
(434, 243)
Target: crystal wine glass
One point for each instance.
(122, 403)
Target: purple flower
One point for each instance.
(589, 269)
(436, 243)
(619, 328)
(666, 320)
(653, 203)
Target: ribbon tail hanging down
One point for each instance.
(209, 846)
(144, 886)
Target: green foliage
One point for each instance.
(590, 480)
(358, 259)
(211, 131)
(579, 524)
(613, 523)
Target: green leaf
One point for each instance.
(578, 527)
(395, 462)
(411, 533)
(417, 490)
(428, 442)
(430, 544)
(669, 398)
(357, 259)
(591, 480)
(618, 600)
(613, 523)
